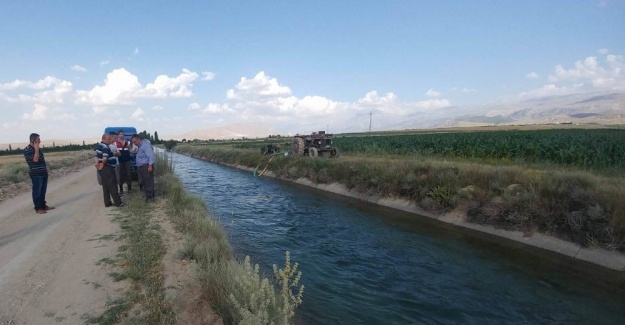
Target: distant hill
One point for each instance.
(596, 107)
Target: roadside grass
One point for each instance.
(17, 172)
(140, 257)
(575, 205)
(235, 289)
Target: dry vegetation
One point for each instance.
(14, 177)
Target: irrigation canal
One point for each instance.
(364, 264)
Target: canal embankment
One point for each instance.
(570, 212)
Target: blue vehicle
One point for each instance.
(128, 132)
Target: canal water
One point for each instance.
(364, 264)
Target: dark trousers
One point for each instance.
(109, 186)
(124, 173)
(147, 180)
(40, 186)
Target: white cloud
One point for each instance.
(207, 75)
(47, 91)
(214, 108)
(119, 87)
(258, 87)
(373, 99)
(158, 107)
(432, 93)
(104, 62)
(532, 75)
(123, 88)
(136, 51)
(164, 86)
(44, 83)
(592, 73)
(39, 113)
(194, 107)
(78, 68)
(137, 114)
(431, 104)
(603, 51)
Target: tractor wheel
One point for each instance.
(334, 153)
(297, 146)
(313, 152)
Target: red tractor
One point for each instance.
(313, 145)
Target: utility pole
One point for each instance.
(370, 114)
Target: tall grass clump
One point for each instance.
(255, 297)
(237, 290)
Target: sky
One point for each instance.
(68, 69)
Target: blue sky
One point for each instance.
(70, 68)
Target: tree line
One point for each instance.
(154, 139)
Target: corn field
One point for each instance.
(598, 149)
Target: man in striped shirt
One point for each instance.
(38, 172)
(105, 164)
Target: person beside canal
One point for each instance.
(145, 165)
(38, 171)
(105, 165)
(124, 147)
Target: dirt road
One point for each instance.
(48, 271)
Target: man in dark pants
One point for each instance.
(145, 165)
(125, 147)
(38, 171)
(106, 167)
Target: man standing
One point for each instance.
(124, 147)
(145, 165)
(113, 147)
(38, 172)
(105, 165)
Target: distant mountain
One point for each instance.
(234, 131)
(596, 107)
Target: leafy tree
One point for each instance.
(156, 139)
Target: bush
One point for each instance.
(15, 173)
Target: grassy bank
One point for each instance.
(236, 290)
(578, 206)
(139, 262)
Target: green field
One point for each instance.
(587, 149)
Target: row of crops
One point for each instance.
(589, 149)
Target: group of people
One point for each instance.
(113, 162)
